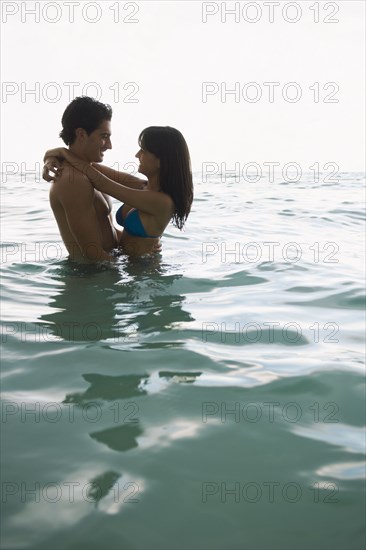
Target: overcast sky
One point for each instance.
(297, 84)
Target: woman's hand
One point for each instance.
(61, 154)
(52, 168)
(57, 152)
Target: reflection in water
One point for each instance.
(83, 309)
(101, 485)
(116, 303)
(108, 388)
(111, 303)
(121, 438)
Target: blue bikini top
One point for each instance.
(133, 224)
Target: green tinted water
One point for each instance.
(207, 399)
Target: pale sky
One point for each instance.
(177, 68)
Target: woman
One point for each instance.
(148, 206)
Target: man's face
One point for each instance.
(96, 143)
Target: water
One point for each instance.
(206, 399)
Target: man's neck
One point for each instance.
(77, 150)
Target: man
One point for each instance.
(83, 214)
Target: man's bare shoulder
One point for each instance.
(72, 185)
(70, 176)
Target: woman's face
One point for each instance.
(149, 164)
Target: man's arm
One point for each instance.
(77, 199)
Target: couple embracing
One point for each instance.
(81, 186)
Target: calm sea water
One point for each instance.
(210, 398)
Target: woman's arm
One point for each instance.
(151, 202)
(124, 178)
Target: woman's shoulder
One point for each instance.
(167, 201)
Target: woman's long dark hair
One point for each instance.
(175, 177)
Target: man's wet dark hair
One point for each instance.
(83, 112)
